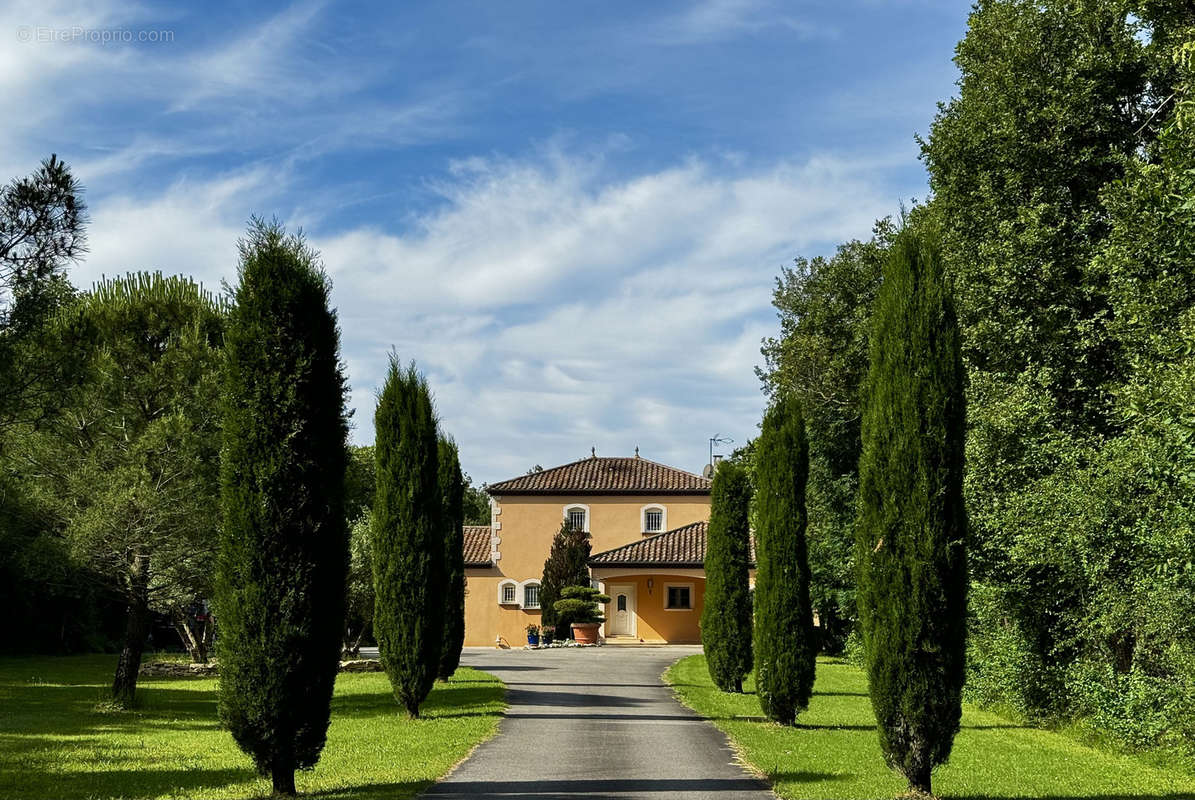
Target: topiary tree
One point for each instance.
(567, 565)
(408, 537)
(580, 604)
(726, 616)
(911, 532)
(283, 546)
(785, 648)
(452, 489)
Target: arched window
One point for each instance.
(531, 594)
(653, 519)
(577, 516)
(508, 593)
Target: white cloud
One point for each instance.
(554, 309)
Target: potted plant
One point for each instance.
(547, 634)
(580, 603)
(533, 635)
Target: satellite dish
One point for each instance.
(708, 472)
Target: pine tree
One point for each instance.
(408, 544)
(567, 565)
(726, 616)
(452, 492)
(283, 545)
(785, 648)
(910, 546)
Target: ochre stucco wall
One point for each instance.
(528, 524)
(656, 623)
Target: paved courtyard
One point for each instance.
(596, 722)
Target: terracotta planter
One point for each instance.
(585, 632)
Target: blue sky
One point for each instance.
(570, 215)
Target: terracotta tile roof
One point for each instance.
(477, 546)
(681, 547)
(602, 475)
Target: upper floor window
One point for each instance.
(531, 595)
(654, 519)
(577, 517)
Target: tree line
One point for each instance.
(1063, 207)
(167, 451)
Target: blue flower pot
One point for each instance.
(533, 638)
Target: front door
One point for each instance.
(622, 610)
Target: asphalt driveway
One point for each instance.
(596, 722)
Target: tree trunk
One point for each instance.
(738, 685)
(196, 645)
(124, 686)
(919, 779)
(283, 776)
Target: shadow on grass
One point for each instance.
(371, 791)
(439, 704)
(132, 783)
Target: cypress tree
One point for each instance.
(452, 494)
(567, 565)
(726, 616)
(408, 537)
(785, 648)
(283, 545)
(910, 545)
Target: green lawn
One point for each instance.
(834, 751)
(57, 740)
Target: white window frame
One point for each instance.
(643, 518)
(576, 507)
(523, 595)
(502, 601)
(692, 596)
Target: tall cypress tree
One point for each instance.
(408, 537)
(910, 545)
(283, 545)
(785, 648)
(452, 494)
(567, 565)
(726, 616)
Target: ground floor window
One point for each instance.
(678, 596)
(506, 593)
(531, 595)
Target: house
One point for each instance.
(647, 523)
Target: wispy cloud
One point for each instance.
(717, 20)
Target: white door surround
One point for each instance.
(620, 620)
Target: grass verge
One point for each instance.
(834, 753)
(58, 739)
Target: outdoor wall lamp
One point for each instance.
(650, 583)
